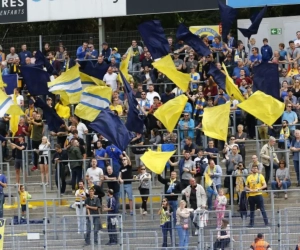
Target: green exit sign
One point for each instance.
(276, 31)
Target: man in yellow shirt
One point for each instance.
(255, 183)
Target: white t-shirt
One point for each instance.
(81, 128)
(94, 174)
(20, 99)
(297, 42)
(111, 80)
(150, 96)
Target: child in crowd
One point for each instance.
(220, 205)
(23, 198)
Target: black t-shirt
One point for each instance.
(95, 202)
(193, 198)
(189, 147)
(114, 185)
(126, 173)
(214, 151)
(19, 152)
(138, 150)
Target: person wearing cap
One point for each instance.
(106, 51)
(19, 147)
(115, 54)
(260, 243)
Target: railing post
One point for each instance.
(134, 214)
(123, 200)
(45, 233)
(1, 152)
(45, 201)
(173, 229)
(151, 200)
(64, 234)
(58, 179)
(50, 168)
(279, 230)
(27, 216)
(257, 143)
(23, 166)
(231, 193)
(54, 218)
(9, 183)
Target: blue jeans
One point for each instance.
(285, 185)
(259, 202)
(210, 193)
(296, 166)
(174, 206)
(1, 204)
(167, 227)
(183, 235)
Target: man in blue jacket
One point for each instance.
(266, 51)
(81, 51)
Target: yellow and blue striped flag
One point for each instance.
(68, 86)
(5, 102)
(88, 81)
(93, 100)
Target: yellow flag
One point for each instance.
(5, 102)
(231, 88)
(2, 231)
(124, 68)
(215, 121)
(2, 84)
(263, 107)
(169, 113)
(68, 86)
(88, 81)
(167, 67)
(208, 180)
(93, 100)
(15, 111)
(156, 161)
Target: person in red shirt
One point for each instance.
(243, 76)
(22, 131)
(156, 104)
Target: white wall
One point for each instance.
(289, 25)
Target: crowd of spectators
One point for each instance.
(76, 142)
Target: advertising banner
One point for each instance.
(210, 30)
(135, 7)
(13, 11)
(256, 3)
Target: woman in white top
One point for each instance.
(44, 148)
(144, 179)
(182, 224)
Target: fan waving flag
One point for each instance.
(112, 128)
(156, 161)
(93, 100)
(225, 82)
(228, 16)
(5, 103)
(68, 86)
(15, 112)
(124, 68)
(167, 67)
(154, 38)
(36, 80)
(215, 121)
(170, 112)
(54, 122)
(134, 122)
(192, 40)
(88, 81)
(266, 79)
(263, 107)
(256, 20)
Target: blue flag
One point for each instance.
(41, 62)
(228, 16)
(134, 122)
(266, 79)
(112, 128)
(54, 122)
(192, 40)
(218, 75)
(12, 82)
(36, 80)
(154, 38)
(256, 20)
(96, 70)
